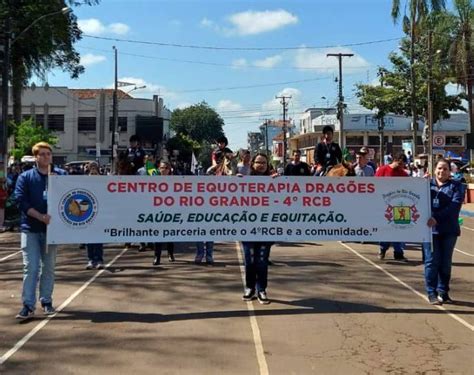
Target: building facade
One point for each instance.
(82, 119)
(362, 130)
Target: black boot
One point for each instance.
(156, 261)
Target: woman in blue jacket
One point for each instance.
(446, 200)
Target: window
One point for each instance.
(56, 123)
(122, 124)
(86, 124)
(374, 140)
(454, 140)
(355, 141)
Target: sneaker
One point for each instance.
(210, 262)
(25, 313)
(48, 309)
(248, 295)
(156, 261)
(270, 263)
(262, 298)
(433, 299)
(90, 265)
(171, 258)
(444, 298)
(100, 266)
(197, 260)
(400, 258)
(382, 254)
(142, 249)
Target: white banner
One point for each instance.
(104, 209)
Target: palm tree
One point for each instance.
(461, 53)
(411, 24)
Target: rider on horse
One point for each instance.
(327, 153)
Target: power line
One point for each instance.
(219, 64)
(195, 46)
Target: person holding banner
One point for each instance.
(256, 253)
(95, 251)
(39, 260)
(164, 170)
(446, 200)
(327, 153)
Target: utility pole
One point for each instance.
(340, 103)
(5, 92)
(115, 114)
(284, 103)
(381, 74)
(414, 120)
(266, 137)
(429, 118)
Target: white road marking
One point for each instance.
(46, 320)
(10, 256)
(454, 316)
(464, 227)
(257, 338)
(462, 252)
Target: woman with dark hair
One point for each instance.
(446, 200)
(256, 253)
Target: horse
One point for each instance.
(343, 169)
(227, 166)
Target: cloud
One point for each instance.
(453, 89)
(175, 23)
(90, 59)
(119, 28)
(255, 22)
(306, 59)
(93, 26)
(268, 62)
(274, 104)
(228, 105)
(252, 22)
(239, 63)
(183, 105)
(150, 89)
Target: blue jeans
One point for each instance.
(95, 252)
(397, 247)
(438, 263)
(256, 265)
(200, 251)
(38, 263)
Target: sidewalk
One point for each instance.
(467, 209)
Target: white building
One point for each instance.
(82, 120)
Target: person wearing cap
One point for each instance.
(362, 168)
(136, 154)
(327, 153)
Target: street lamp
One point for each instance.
(8, 42)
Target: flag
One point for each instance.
(194, 164)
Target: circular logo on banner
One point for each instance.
(78, 208)
(438, 140)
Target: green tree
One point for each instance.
(41, 46)
(461, 53)
(418, 10)
(27, 134)
(199, 122)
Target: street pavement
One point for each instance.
(336, 309)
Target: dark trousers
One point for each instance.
(95, 252)
(438, 262)
(256, 264)
(159, 247)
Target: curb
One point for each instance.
(466, 213)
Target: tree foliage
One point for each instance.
(42, 38)
(27, 134)
(394, 95)
(199, 122)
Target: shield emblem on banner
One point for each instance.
(402, 215)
